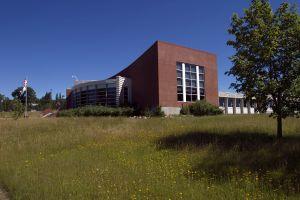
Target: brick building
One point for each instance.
(166, 75)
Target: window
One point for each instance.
(192, 74)
(179, 82)
(193, 68)
(201, 84)
(230, 102)
(238, 102)
(222, 101)
(201, 70)
(179, 74)
(191, 82)
(179, 66)
(201, 77)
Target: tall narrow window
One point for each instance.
(201, 83)
(191, 82)
(179, 82)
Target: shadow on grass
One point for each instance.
(242, 156)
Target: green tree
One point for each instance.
(18, 109)
(46, 101)
(2, 98)
(266, 62)
(5, 104)
(22, 96)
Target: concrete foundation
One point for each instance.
(171, 110)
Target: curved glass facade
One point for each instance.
(110, 92)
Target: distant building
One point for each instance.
(234, 103)
(166, 75)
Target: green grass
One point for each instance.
(219, 157)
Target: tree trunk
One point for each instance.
(279, 127)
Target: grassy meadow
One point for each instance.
(219, 157)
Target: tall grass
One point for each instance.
(219, 157)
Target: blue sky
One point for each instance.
(51, 40)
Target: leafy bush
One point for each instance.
(96, 111)
(201, 108)
(185, 110)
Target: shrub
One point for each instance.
(201, 108)
(96, 111)
(185, 110)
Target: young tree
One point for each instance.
(18, 109)
(266, 62)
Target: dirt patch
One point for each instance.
(3, 195)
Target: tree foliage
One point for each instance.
(266, 62)
(5, 104)
(18, 109)
(22, 97)
(46, 101)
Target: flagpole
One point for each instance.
(26, 114)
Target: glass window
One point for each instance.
(194, 91)
(201, 84)
(238, 102)
(194, 97)
(201, 77)
(201, 70)
(179, 81)
(230, 102)
(222, 101)
(188, 97)
(193, 76)
(111, 85)
(179, 89)
(179, 66)
(193, 68)
(201, 91)
(179, 74)
(194, 83)
(188, 82)
(187, 75)
(188, 90)
(191, 89)
(187, 68)
(180, 97)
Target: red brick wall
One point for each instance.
(69, 98)
(168, 55)
(153, 75)
(143, 74)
